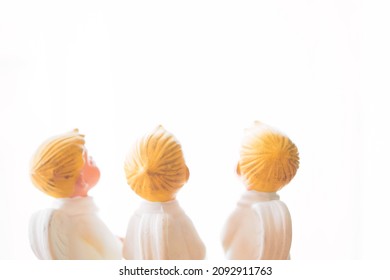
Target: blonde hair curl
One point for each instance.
(56, 165)
(155, 169)
(268, 159)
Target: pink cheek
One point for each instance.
(92, 175)
(96, 174)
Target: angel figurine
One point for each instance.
(159, 229)
(71, 229)
(260, 226)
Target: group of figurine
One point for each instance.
(258, 228)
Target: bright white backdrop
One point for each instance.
(205, 70)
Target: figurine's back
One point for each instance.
(155, 169)
(162, 231)
(258, 229)
(260, 226)
(73, 231)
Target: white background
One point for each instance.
(317, 70)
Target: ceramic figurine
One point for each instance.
(159, 230)
(260, 226)
(62, 168)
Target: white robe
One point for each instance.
(71, 230)
(162, 231)
(258, 229)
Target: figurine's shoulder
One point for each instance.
(48, 234)
(271, 210)
(162, 232)
(39, 233)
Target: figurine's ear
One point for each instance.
(187, 173)
(238, 170)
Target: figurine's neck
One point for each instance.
(76, 205)
(156, 207)
(250, 197)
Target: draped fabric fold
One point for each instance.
(259, 228)
(162, 231)
(72, 230)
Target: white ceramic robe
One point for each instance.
(71, 230)
(258, 229)
(162, 231)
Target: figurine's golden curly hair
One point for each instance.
(56, 165)
(155, 168)
(268, 159)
